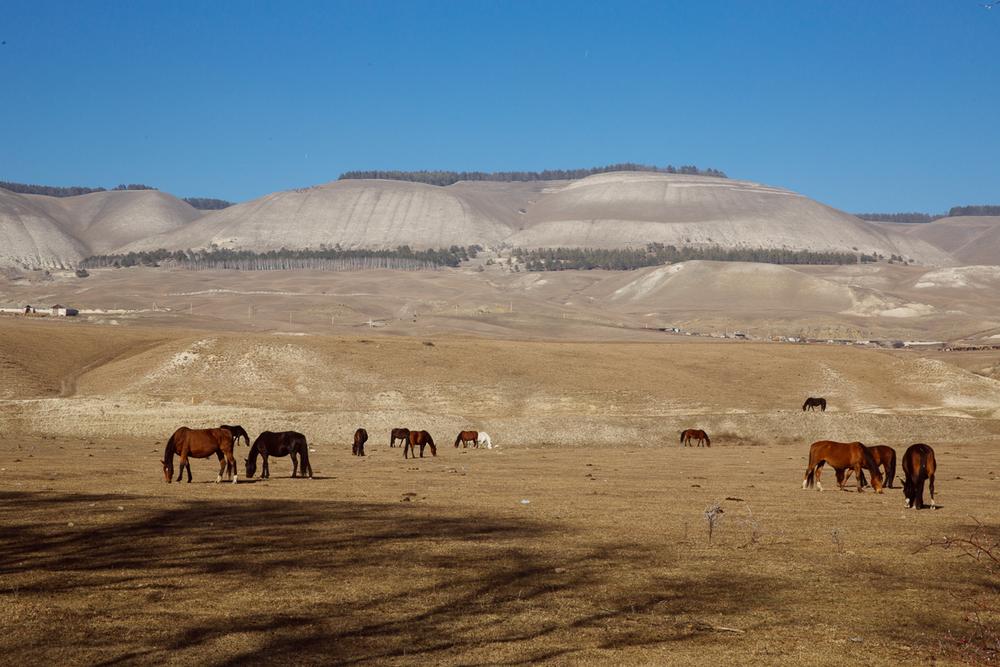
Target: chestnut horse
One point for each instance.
(360, 438)
(465, 437)
(695, 434)
(884, 456)
(421, 438)
(813, 403)
(399, 434)
(200, 444)
(285, 443)
(840, 456)
(919, 465)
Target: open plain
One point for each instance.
(581, 539)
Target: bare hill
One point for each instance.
(103, 221)
(352, 213)
(634, 208)
(969, 239)
(30, 237)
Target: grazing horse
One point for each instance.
(812, 403)
(919, 465)
(840, 456)
(238, 432)
(484, 440)
(884, 456)
(200, 444)
(285, 443)
(465, 437)
(399, 434)
(421, 438)
(695, 434)
(360, 438)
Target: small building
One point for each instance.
(60, 310)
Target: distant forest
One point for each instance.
(70, 191)
(450, 177)
(953, 212)
(655, 254)
(327, 259)
(207, 203)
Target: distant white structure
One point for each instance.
(60, 310)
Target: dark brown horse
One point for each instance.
(199, 444)
(885, 457)
(285, 443)
(360, 438)
(467, 438)
(919, 466)
(399, 434)
(238, 432)
(840, 456)
(421, 438)
(695, 434)
(813, 403)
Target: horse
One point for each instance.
(238, 432)
(695, 434)
(919, 465)
(840, 455)
(421, 438)
(200, 444)
(465, 437)
(484, 440)
(884, 456)
(399, 434)
(285, 443)
(812, 403)
(360, 438)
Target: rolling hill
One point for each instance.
(969, 239)
(608, 210)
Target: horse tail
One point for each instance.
(890, 470)
(458, 439)
(304, 466)
(682, 437)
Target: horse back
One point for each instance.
(201, 442)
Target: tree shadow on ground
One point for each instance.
(332, 582)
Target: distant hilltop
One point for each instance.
(451, 177)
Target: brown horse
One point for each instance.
(695, 434)
(840, 456)
(360, 438)
(467, 437)
(919, 465)
(285, 443)
(885, 457)
(421, 438)
(199, 444)
(399, 434)
(813, 403)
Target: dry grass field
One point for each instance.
(581, 539)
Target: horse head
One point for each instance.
(168, 471)
(238, 432)
(251, 464)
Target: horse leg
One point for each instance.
(819, 473)
(842, 476)
(265, 469)
(931, 480)
(222, 466)
(857, 471)
(184, 462)
(295, 463)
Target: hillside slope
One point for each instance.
(635, 208)
(31, 238)
(969, 239)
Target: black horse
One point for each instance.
(813, 403)
(238, 432)
(360, 438)
(285, 443)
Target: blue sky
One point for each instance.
(884, 105)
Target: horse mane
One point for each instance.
(168, 455)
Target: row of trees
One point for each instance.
(898, 217)
(984, 209)
(69, 191)
(655, 254)
(208, 203)
(449, 177)
(325, 258)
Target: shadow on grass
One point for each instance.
(331, 582)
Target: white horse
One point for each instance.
(484, 440)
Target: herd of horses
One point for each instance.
(188, 443)
(919, 462)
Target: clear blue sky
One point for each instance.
(865, 105)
